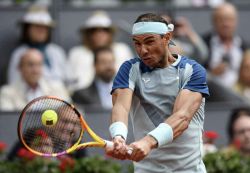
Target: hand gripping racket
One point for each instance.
(49, 126)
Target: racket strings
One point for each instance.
(43, 142)
(50, 139)
(68, 128)
(31, 131)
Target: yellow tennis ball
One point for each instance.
(49, 118)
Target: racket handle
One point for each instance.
(110, 144)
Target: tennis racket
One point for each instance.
(62, 133)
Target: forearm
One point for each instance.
(121, 99)
(170, 129)
(119, 120)
(119, 114)
(193, 37)
(185, 107)
(179, 123)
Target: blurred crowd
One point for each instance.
(40, 67)
(84, 74)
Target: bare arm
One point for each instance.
(122, 99)
(186, 105)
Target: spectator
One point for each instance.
(225, 46)
(243, 84)
(97, 32)
(184, 36)
(36, 33)
(99, 91)
(239, 130)
(31, 85)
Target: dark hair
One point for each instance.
(235, 115)
(150, 17)
(25, 34)
(100, 50)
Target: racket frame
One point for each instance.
(98, 141)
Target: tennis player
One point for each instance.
(165, 96)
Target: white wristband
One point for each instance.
(118, 129)
(163, 134)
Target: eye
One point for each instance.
(150, 42)
(137, 43)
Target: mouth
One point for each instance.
(147, 60)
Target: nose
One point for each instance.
(143, 50)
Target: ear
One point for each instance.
(168, 36)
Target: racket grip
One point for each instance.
(110, 144)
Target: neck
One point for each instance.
(166, 61)
(169, 59)
(104, 80)
(33, 85)
(37, 45)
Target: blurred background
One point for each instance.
(73, 48)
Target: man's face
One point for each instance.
(31, 67)
(105, 66)
(241, 131)
(225, 22)
(38, 33)
(151, 48)
(100, 37)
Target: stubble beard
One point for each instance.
(162, 62)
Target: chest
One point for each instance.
(161, 83)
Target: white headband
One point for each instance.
(151, 27)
